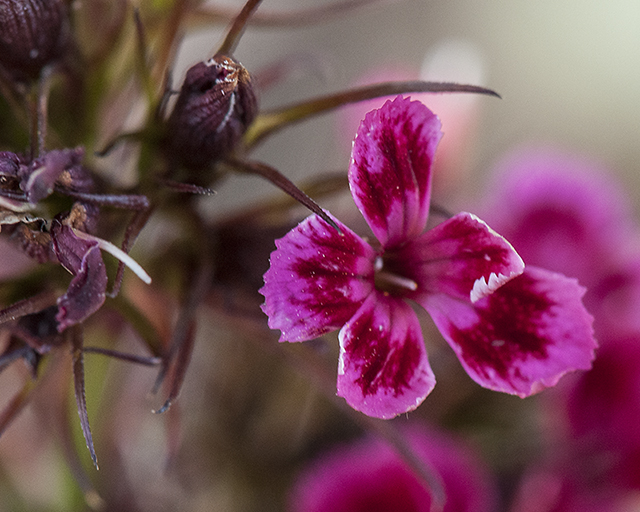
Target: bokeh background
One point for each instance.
(250, 416)
(567, 72)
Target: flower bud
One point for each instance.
(215, 106)
(33, 33)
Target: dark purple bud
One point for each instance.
(33, 34)
(215, 106)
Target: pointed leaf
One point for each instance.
(283, 183)
(236, 30)
(266, 123)
(78, 385)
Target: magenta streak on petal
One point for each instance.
(383, 369)
(524, 336)
(462, 257)
(390, 170)
(317, 280)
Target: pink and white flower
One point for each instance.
(518, 337)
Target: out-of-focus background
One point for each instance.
(567, 71)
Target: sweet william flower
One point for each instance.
(516, 337)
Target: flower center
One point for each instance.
(390, 282)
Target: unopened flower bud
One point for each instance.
(215, 106)
(33, 34)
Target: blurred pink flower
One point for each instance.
(603, 408)
(556, 490)
(559, 210)
(369, 476)
(565, 213)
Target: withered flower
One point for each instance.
(67, 238)
(33, 34)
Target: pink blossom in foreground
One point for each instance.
(368, 476)
(516, 338)
(449, 60)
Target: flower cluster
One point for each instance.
(100, 152)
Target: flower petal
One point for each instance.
(86, 292)
(318, 279)
(462, 257)
(524, 336)
(383, 369)
(390, 169)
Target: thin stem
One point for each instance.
(38, 140)
(138, 222)
(187, 188)
(234, 34)
(27, 306)
(284, 184)
(78, 381)
(183, 337)
(130, 358)
(142, 57)
(166, 49)
(133, 202)
(269, 122)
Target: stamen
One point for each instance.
(116, 252)
(396, 281)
